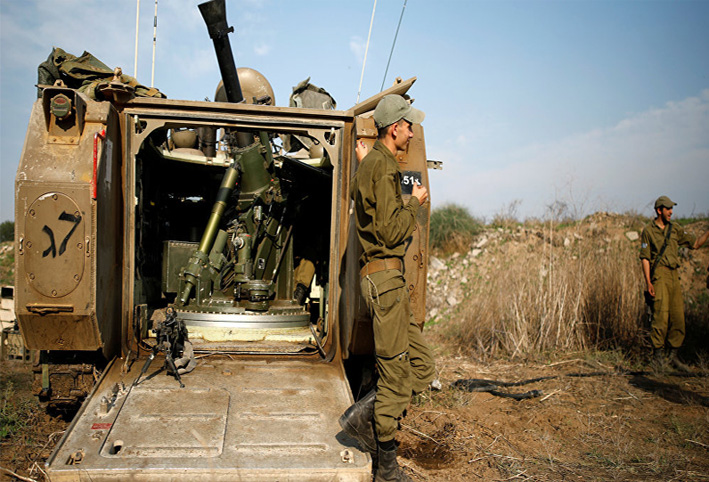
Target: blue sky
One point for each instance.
(601, 105)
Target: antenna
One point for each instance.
(371, 22)
(137, 19)
(392, 47)
(155, 34)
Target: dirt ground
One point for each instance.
(641, 427)
(28, 433)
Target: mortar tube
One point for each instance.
(214, 14)
(227, 187)
(191, 272)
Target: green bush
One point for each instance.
(694, 218)
(452, 228)
(7, 231)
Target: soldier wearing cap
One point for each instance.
(662, 279)
(384, 223)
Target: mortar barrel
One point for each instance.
(214, 14)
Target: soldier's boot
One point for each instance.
(357, 422)
(676, 362)
(300, 293)
(658, 359)
(388, 469)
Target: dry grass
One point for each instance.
(572, 289)
(554, 302)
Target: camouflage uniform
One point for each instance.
(668, 305)
(384, 223)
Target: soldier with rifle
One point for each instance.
(659, 255)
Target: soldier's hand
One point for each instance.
(420, 192)
(361, 150)
(651, 289)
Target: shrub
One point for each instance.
(7, 231)
(452, 229)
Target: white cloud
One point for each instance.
(662, 150)
(262, 49)
(357, 47)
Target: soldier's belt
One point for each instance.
(378, 265)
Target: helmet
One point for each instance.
(253, 86)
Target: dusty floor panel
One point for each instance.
(250, 420)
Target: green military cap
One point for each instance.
(664, 202)
(392, 108)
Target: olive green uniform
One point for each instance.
(384, 223)
(304, 273)
(668, 305)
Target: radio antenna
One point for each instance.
(155, 34)
(137, 22)
(392, 46)
(371, 22)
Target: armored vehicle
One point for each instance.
(189, 273)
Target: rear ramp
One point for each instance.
(247, 420)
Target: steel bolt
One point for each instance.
(55, 197)
(76, 277)
(54, 292)
(29, 244)
(79, 245)
(31, 276)
(32, 213)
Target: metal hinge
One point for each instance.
(433, 164)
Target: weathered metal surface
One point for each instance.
(60, 227)
(234, 420)
(399, 88)
(413, 165)
(57, 270)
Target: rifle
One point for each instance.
(171, 338)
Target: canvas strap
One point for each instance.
(662, 250)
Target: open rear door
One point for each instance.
(414, 169)
(235, 419)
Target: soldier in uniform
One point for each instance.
(662, 279)
(384, 223)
